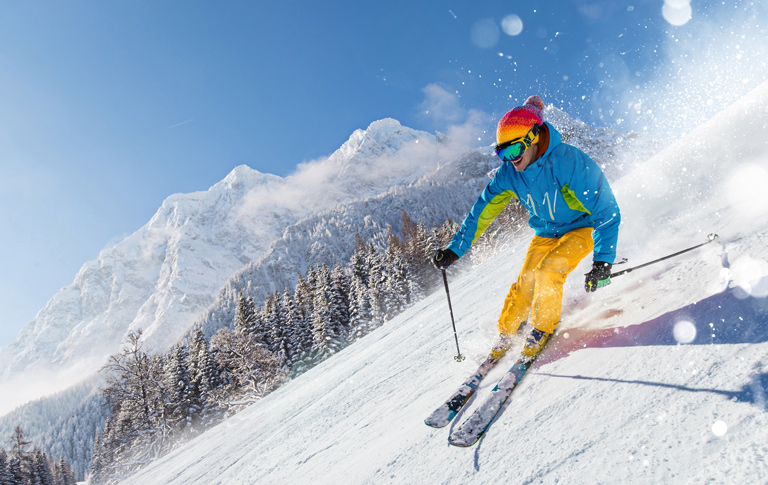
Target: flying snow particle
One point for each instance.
(746, 191)
(485, 33)
(719, 428)
(677, 15)
(751, 276)
(512, 25)
(684, 332)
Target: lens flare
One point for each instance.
(684, 332)
(675, 15)
(512, 25)
(719, 428)
(485, 33)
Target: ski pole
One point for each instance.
(458, 357)
(710, 238)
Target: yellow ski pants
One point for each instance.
(539, 287)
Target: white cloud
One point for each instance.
(440, 105)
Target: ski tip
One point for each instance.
(460, 443)
(434, 424)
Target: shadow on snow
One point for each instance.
(729, 317)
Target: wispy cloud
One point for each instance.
(180, 124)
(443, 109)
(440, 105)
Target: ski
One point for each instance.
(445, 413)
(476, 425)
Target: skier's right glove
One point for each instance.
(444, 258)
(599, 277)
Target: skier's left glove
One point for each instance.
(444, 258)
(599, 276)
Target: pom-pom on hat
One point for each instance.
(520, 120)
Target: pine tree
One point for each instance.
(202, 370)
(339, 304)
(293, 322)
(278, 327)
(359, 263)
(377, 287)
(419, 253)
(322, 330)
(15, 470)
(179, 387)
(6, 478)
(261, 328)
(41, 469)
(396, 295)
(359, 310)
(98, 462)
(446, 232)
(21, 458)
(360, 313)
(66, 474)
(244, 314)
(301, 328)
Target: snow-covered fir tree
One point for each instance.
(40, 472)
(339, 303)
(300, 318)
(245, 313)
(324, 336)
(396, 289)
(253, 369)
(5, 474)
(28, 465)
(277, 316)
(203, 378)
(179, 407)
(377, 279)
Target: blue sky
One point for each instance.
(107, 108)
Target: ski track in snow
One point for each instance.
(614, 399)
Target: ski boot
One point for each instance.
(534, 343)
(500, 347)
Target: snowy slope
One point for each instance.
(659, 378)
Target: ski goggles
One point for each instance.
(512, 151)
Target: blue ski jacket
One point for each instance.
(563, 190)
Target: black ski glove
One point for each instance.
(599, 276)
(444, 258)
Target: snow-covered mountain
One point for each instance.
(252, 230)
(661, 377)
(164, 275)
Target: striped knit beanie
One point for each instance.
(520, 120)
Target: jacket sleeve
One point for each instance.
(587, 183)
(491, 202)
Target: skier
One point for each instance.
(572, 210)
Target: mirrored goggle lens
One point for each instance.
(511, 153)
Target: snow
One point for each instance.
(660, 377)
